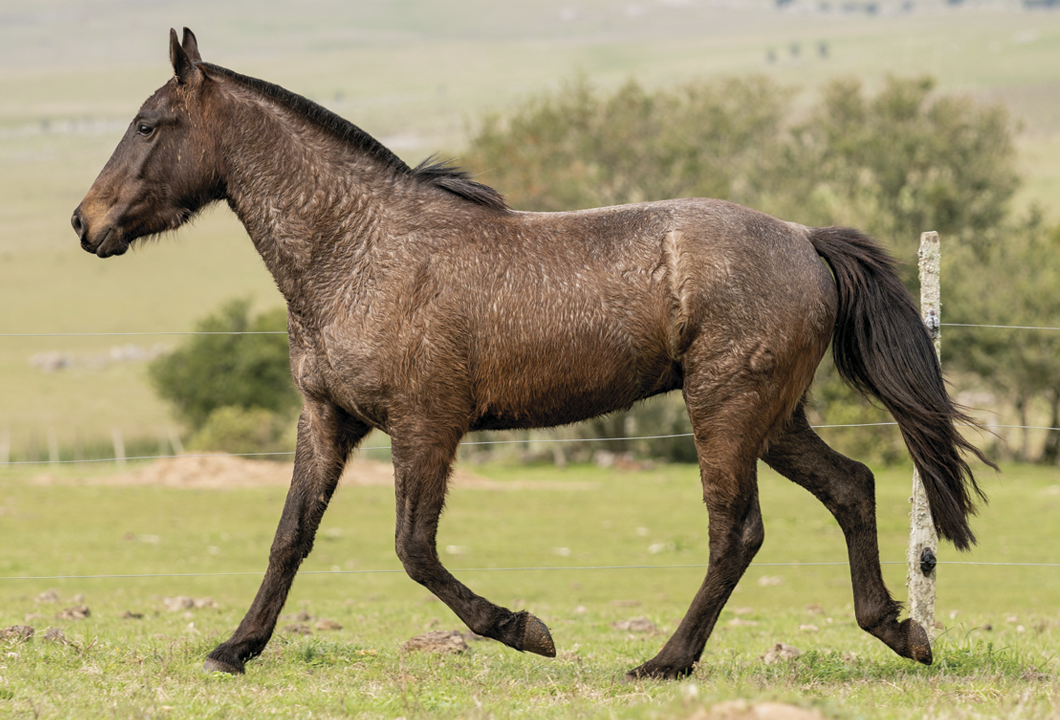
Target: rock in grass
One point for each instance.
(437, 641)
(300, 616)
(178, 603)
(77, 612)
(298, 629)
(21, 633)
(779, 653)
(327, 624)
(635, 625)
(183, 602)
(55, 635)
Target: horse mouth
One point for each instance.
(111, 244)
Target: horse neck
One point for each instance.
(302, 194)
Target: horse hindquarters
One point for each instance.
(760, 316)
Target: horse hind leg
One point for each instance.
(727, 441)
(847, 488)
(421, 469)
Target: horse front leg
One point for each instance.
(421, 469)
(326, 435)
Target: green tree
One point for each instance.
(236, 363)
(579, 148)
(900, 162)
(1011, 281)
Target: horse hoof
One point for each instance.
(918, 643)
(212, 665)
(537, 639)
(650, 671)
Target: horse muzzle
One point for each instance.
(107, 243)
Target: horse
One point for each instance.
(420, 304)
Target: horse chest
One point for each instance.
(330, 374)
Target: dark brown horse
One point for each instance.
(421, 305)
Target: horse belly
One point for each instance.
(577, 371)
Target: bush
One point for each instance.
(239, 365)
(245, 431)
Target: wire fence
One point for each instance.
(470, 443)
(5, 462)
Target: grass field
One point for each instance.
(415, 74)
(995, 657)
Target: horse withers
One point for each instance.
(421, 305)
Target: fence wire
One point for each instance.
(470, 443)
(542, 568)
(284, 332)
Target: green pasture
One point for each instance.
(583, 548)
(418, 75)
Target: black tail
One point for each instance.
(882, 348)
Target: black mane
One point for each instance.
(456, 180)
(442, 174)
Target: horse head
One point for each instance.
(163, 170)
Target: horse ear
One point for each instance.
(183, 61)
(191, 46)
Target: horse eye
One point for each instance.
(145, 130)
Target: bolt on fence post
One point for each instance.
(923, 542)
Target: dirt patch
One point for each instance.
(225, 471)
(437, 641)
(743, 710)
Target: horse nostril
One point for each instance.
(77, 223)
